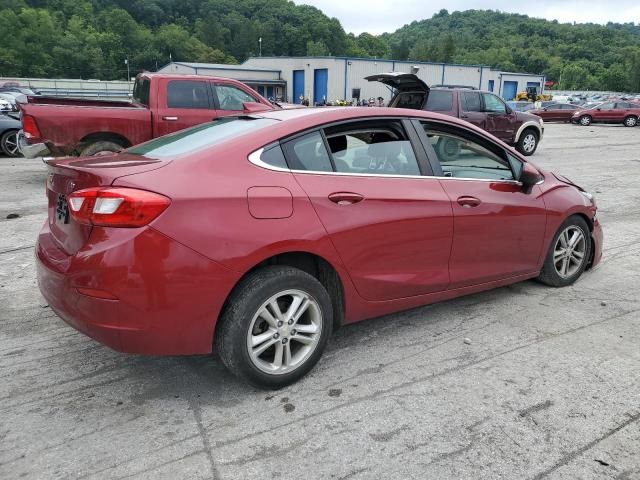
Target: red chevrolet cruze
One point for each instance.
(257, 235)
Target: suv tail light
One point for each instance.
(116, 207)
(30, 127)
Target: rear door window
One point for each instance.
(440, 101)
(471, 102)
(188, 94)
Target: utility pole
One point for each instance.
(126, 62)
(260, 42)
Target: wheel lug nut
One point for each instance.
(279, 324)
(290, 322)
(285, 340)
(276, 335)
(293, 332)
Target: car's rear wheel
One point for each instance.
(9, 143)
(631, 121)
(568, 253)
(275, 326)
(585, 120)
(100, 148)
(528, 142)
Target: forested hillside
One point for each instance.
(92, 38)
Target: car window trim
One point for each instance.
(435, 163)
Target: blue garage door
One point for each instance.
(491, 85)
(533, 84)
(298, 85)
(510, 90)
(320, 79)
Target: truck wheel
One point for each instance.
(275, 327)
(9, 143)
(528, 142)
(631, 121)
(100, 148)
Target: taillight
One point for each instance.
(116, 207)
(30, 127)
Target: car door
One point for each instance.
(185, 103)
(621, 111)
(498, 228)
(391, 226)
(605, 112)
(552, 112)
(229, 99)
(501, 121)
(471, 109)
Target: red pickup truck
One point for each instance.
(161, 104)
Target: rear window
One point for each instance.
(440, 101)
(141, 91)
(200, 136)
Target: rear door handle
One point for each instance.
(170, 119)
(469, 201)
(345, 198)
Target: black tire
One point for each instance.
(528, 142)
(9, 143)
(100, 148)
(585, 120)
(244, 303)
(630, 121)
(549, 274)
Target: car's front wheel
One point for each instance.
(585, 120)
(528, 142)
(568, 254)
(275, 326)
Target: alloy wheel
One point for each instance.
(284, 332)
(569, 251)
(11, 144)
(630, 121)
(586, 120)
(529, 143)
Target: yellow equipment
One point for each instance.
(532, 95)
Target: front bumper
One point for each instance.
(166, 297)
(597, 237)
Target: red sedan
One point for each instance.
(556, 112)
(609, 112)
(257, 235)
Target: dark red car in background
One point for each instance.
(483, 109)
(257, 235)
(556, 112)
(609, 112)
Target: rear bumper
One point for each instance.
(32, 151)
(167, 297)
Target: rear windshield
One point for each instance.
(200, 136)
(440, 101)
(141, 91)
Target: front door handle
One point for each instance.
(170, 119)
(469, 202)
(345, 198)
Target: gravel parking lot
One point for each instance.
(523, 382)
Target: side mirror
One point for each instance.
(529, 177)
(254, 107)
(545, 108)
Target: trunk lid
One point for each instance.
(402, 82)
(66, 175)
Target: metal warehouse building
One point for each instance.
(342, 78)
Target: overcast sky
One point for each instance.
(378, 16)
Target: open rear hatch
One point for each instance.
(411, 92)
(67, 175)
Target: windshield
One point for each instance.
(200, 136)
